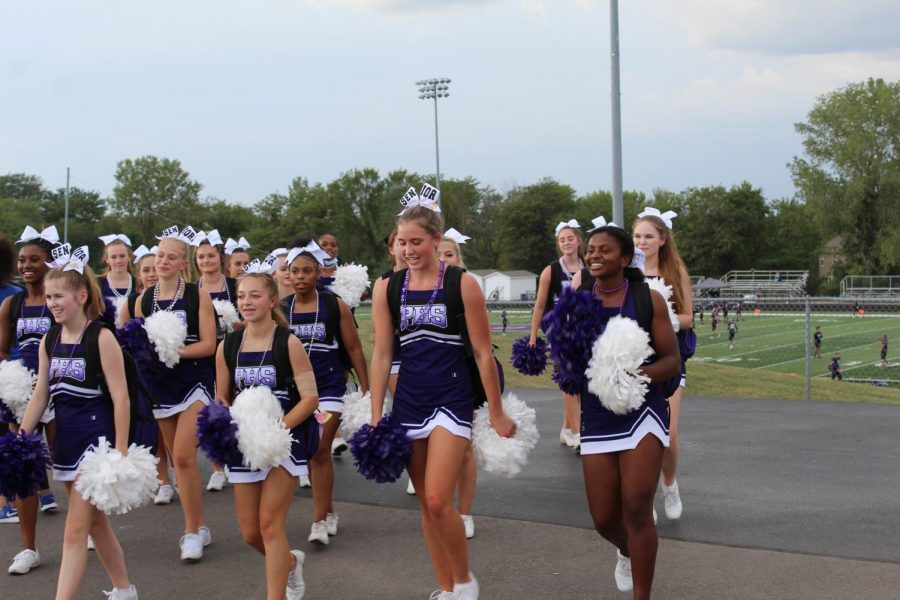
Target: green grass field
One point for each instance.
(767, 360)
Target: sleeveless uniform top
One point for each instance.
(32, 323)
(434, 387)
(223, 294)
(189, 381)
(395, 357)
(83, 414)
(602, 430)
(112, 293)
(321, 343)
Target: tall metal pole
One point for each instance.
(808, 312)
(66, 217)
(437, 149)
(618, 207)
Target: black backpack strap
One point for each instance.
(91, 341)
(132, 303)
(455, 307)
(284, 372)
(395, 285)
(192, 296)
(333, 308)
(15, 307)
(587, 281)
(232, 345)
(643, 305)
(51, 336)
(231, 284)
(555, 285)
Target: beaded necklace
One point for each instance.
(416, 321)
(179, 291)
(224, 286)
(312, 338)
(58, 341)
(261, 360)
(623, 286)
(562, 263)
(115, 292)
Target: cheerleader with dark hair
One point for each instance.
(266, 354)
(84, 415)
(179, 395)
(24, 320)
(237, 256)
(435, 398)
(323, 323)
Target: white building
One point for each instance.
(505, 286)
(479, 275)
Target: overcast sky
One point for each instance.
(249, 94)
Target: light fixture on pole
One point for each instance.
(432, 89)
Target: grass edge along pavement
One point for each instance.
(704, 379)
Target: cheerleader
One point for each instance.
(117, 281)
(83, 414)
(282, 273)
(262, 498)
(434, 397)
(323, 323)
(7, 269)
(24, 319)
(186, 388)
(622, 454)
(449, 252)
(653, 235)
(556, 276)
(329, 243)
(237, 254)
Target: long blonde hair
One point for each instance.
(671, 267)
(272, 287)
(75, 281)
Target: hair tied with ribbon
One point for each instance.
(49, 234)
(70, 260)
(428, 197)
(186, 235)
(453, 234)
(665, 217)
(261, 267)
(141, 251)
(571, 223)
(312, 250)
(211, 237)
(232, 246)
(601, 222)
(115, 237)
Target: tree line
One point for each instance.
(848, 184)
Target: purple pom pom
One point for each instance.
(23, 463)
(133, 338)
(529, 360)
(217, 435)
(109, 313)
(5, 415)
(381, 453)
(321, 285)
(572, 328)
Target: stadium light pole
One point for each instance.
(618, 208)
(432, 89)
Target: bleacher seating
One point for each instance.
(764, 284)
(882, 286)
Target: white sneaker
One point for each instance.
(90, 543)
(24, 561)
(672, 500)
(576, 443)
(564, 435)
(466, 591)
(216, 481)
(623, 573)
(338, 446)
(191, 547)
(205, 535)
(410, 488)
(571, 438)
(318, 533)
(331, 523)
(296, 587)
(442, 595)
(164, 494)
(469, 524)
(304, 481)
(129, 593)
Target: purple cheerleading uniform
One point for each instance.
(118, 296)
(189, 381)
(603, 431)
(32, 323)
(258, 368)
(320, 340)
(83, 414)
(223, 294)
(434, 388)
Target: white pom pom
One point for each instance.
(262, 437)
(115, 483)
(612, 371)
(357, 412)
(16, 384)
(167, 332)
(505, 456)
(350, 281)
(119, 303)
(226, 310)
(666, 292)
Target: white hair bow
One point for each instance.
(278, 252)
(142, 251)
(311, 248)
(665, 217)
(115, 237)
(256, 266)
(601, 222)
(563, 224)
(456, 236)
(428, 197)
(186, 235)
(49, 234)
(212, 237)
(70, 260)
(231, 246)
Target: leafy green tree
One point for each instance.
(153, 193)
(483, 250)
(796, 236)
(850, 173)
(86, 211)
